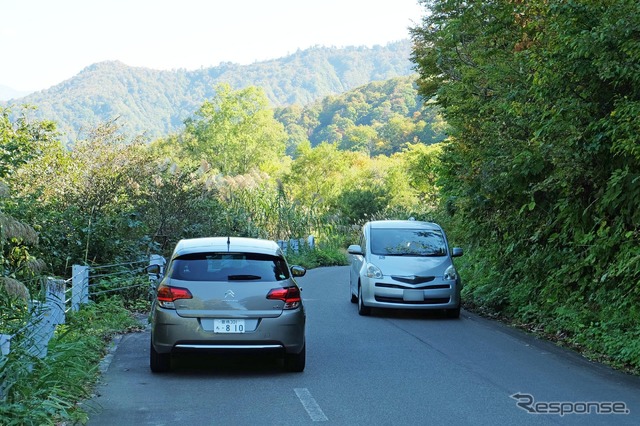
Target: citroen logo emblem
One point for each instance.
(230, 294)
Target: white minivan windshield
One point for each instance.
(407, 242)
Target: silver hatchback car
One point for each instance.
(404, 264)
(226, 295)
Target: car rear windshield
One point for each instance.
(228, 267)
(408, 242)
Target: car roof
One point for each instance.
(221, 244)
(398, 224)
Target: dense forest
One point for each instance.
(155, 103)
(540, 175)
(519, 134)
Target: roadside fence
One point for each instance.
(63, 295)
(295, 245)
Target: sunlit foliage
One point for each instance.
(540, 175)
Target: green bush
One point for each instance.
(319, 256)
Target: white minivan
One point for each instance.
(404, 264)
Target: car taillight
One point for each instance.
(167, 295)
(289, 295)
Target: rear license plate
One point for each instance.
(228, 326)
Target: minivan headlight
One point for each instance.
(451, 273)
(373, 271)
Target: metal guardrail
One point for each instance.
(60, 298)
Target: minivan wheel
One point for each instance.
(362, 309)
(453, 313)
(296, 362)
(159, 363)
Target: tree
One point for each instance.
(84, 201)
(178, 201)
(23, 140)
(360, 138)
(292, 118)
(316, 174)
(236, 131)
(422, 166)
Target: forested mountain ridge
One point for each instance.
(380, 117)
(156, 103)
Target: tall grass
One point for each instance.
(47, 391)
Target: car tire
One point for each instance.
(159, 363)
(453, 313)
(296, 362)
(362, 309)
(354, 298)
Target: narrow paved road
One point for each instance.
(393, 368)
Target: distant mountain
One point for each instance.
(7, 93)
(156, 103)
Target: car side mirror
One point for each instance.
(456, 252)
(152, 269)
(298, 271)
(355, 249)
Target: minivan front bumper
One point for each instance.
(389, 293)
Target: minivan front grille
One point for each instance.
(412, 279)
(422, 287)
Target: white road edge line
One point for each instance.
(310, 404)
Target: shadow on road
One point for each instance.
(436, 314)
(236, 365)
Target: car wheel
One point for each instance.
(158, 362)
(354, 298)
(453, 313)
(362, 309)
(296, 362)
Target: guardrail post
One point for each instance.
(79, 286)
(5, 348)
(5, 344)
(55, 300)
(39, 331)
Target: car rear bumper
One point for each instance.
(173, 333)
(388, 293)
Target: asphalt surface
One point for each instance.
(392, 368)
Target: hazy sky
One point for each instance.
(44, 42)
